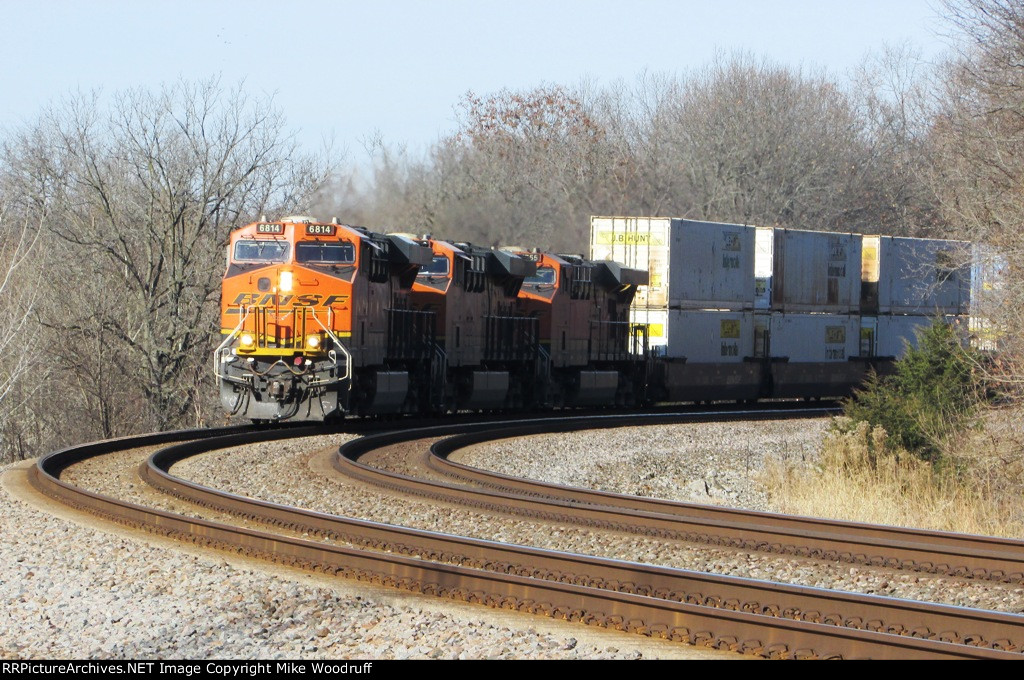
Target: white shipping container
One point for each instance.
(989, 272)
(814, 337)
(639, 243)
(896, 333)
(816, 271)
(656, 321)
(692, 265)
(919, 276)
(711, 265)
(710, 336)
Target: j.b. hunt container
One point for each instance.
(638, 243)
(692, 264)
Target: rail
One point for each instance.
(653, 601)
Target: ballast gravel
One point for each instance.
(71, 591)
(621, 459)
(74, 592)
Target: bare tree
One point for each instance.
(979, 140)
(741, 140)
(19, 295)
(137, 200)
(893, 93)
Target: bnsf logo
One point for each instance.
(308, 300)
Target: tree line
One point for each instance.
(114, 211)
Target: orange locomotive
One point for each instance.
(322, 320)
(487, 352)
(593, 353)
(317, 322)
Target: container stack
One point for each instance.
(815, 295)
(908, 283)
(700, 306)
(727, 300)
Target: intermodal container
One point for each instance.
(711, 265)
(916, 276)
(896, 333)
(814, 337)
(656, 322)
(710, 336)
(816, 271)
(638, 243)
(692, 264)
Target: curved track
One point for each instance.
(935, 552)
(749, 616)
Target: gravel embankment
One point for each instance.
(711, 463)
(76, 591)
(269, 471)
(72, 591)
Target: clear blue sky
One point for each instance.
(347, 69)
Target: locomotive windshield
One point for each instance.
(325, 253)
(437, 267)
(261, 251)
(545, 275)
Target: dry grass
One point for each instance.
(859, 476)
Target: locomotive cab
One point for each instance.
(316, 321)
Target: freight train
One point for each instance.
(322, 320)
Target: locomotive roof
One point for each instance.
(612, 275)
(407, 251)
(500, 262)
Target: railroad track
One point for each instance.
(933, 552)
(749, 616)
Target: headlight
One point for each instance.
(312, 341)
(247, 341)
(285, 282)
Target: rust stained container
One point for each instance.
(816, 271)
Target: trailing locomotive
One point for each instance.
(592, 354)
(322, 320)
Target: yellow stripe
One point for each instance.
(340, 334)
